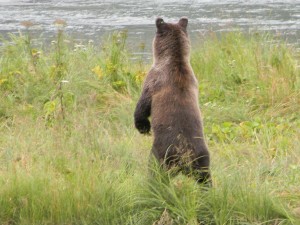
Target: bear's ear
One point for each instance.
(183, 22)
(160, 24)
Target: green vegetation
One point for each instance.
(69, 153)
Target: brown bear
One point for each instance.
(170, 97)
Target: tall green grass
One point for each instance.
(69, 153)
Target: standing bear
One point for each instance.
(170, 97)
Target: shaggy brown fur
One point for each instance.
(170, 96)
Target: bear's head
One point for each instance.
(171, 40)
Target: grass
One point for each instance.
(69, 153)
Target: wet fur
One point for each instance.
(170, 97)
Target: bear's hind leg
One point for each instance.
(203, 177)
(201, 172)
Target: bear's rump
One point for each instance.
(179, 151)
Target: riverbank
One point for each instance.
(69, 153)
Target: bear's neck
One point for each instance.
(176, 55)
(171, 58)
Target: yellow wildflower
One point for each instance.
(35, 53)
(15, 73)
(2, 81)
(98, 71)
(119, 84)
(140, 76)
(110, 67)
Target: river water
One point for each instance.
(91, 19)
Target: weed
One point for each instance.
(88, 165)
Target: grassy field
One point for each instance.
(69, 153)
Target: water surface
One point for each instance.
(91, 19)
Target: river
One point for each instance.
(91, 19)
